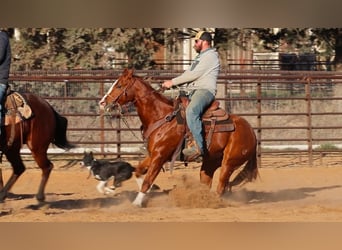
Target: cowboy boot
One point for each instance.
(193, 152)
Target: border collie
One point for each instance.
(104, 170)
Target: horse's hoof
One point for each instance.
(5, 211)
(139, 200)
(136, 204)
(2, 197)
(40, 199)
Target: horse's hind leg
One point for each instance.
(208, 168)
(223, 181)
(46, 166)
(206, 178)
(227, 169)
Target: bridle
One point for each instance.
(122, 108)
(124, 91)
(127, 106)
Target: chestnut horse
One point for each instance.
(45, 126)
(228, 150)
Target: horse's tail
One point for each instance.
(248, 173)
(60, 139)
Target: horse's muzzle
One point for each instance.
(102, 104)
(106, 107)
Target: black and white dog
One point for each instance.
(104, 170)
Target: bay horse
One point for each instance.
(228, 150)
(43, 127)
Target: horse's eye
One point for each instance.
(118, 86)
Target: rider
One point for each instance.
(200, 79)
(5, 63)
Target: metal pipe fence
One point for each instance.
(292, 112)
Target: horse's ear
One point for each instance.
(128, 72)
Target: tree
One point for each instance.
(329, 42)
(51, 48)
(105, 48)
(138, 45)
(322, 42)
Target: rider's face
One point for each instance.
(198, 45)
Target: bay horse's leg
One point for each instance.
(46, 166)
(13, 156)
(1, 179)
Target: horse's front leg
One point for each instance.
(145, 183)
(4, 191)
(18, 168)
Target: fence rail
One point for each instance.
(291, 111)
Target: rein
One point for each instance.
(160, 122)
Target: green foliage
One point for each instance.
(105, 48)
(82, 48)
(327, 146)
(320, 41)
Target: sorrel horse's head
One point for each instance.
(130, 90)
(228, 150)
(121, 92)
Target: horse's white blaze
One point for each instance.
(102, 101)
(139, 199)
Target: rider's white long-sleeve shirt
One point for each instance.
(202, 73)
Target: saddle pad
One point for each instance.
(220, 126)
(17, 109)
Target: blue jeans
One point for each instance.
(199, 101)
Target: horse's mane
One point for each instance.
(160, 96)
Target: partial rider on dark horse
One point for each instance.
(5, 64)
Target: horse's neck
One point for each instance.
(151, 107)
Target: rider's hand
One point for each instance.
(167, 84)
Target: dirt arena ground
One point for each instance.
(280, 194)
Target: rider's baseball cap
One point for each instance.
(204, 36)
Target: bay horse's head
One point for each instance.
(120, 93)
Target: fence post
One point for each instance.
(309, 118)
(102, 120)
(259, 93)
(118, 133)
